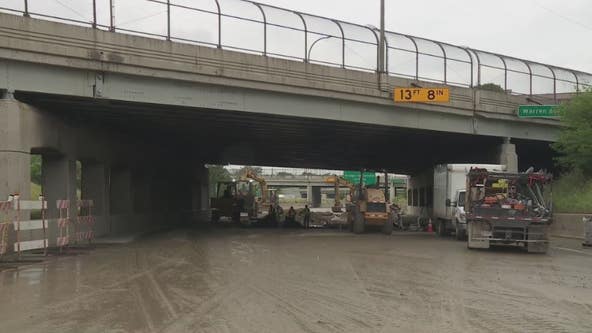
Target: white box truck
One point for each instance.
(450, 181)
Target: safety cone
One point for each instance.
(430, 227)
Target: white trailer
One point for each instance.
(450, 181)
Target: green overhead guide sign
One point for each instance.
(354, 177)
(538, 111)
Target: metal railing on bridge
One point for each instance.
(258, 28)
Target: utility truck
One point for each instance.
(448, 212)
(508, 209)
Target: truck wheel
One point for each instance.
(387, 229)
(460, 235)
(441, 228)
(358, 223)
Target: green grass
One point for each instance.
(35, 191)
(572, 193)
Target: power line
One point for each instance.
(71, 9)
(565, 17)
(142, 18)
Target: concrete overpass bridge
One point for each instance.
(144, 111)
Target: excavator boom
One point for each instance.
(339, 182)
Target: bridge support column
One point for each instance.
(15, 158)
(58, 174)
(316, 197)
(508, 156)
(95, 187)
(120, 191)
(200, 189)
(15, 176)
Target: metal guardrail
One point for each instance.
(258, 28)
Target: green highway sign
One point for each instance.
(537, 111)
(354, 177)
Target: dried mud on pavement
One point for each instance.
(236, 280)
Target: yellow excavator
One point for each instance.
(339, 182)
(251, 175)
(263, 211)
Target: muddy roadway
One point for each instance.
(236, 280)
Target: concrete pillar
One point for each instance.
(508, 156)
(15, 159)
(316, 197)
(309, 195)
(15, 174)
(200, 201)
(95, 187)
(58, 175)
(141, 190)
(121, 219)
(120, 194)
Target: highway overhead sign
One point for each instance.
(422, 95)
(354, 177)
(538, 111)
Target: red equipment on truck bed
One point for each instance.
(508, 209)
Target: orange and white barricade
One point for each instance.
(63, 238)
(31, 225)
(85, 221)
(7, 215)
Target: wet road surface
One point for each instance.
(236, 280)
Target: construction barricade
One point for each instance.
(63, 238)
(7, 216)
(85, 221)
(30, 226)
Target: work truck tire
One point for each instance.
(358, 222)
(441, 228)
(459, 234)
(387, 229)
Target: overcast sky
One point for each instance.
(557, 32)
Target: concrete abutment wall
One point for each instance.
(135, 187)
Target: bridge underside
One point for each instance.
(226, 137)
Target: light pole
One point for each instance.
(112, 15)
(381, 48)
(313, 44)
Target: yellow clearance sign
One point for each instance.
(422, 95)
